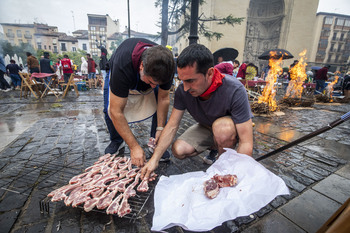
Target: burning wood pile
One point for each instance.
(267, 101)
(293, 96)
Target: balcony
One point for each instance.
(28, 36)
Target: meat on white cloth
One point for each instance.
(179, 199)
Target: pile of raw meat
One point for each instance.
(213, 185)
(104, 186)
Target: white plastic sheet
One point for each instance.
(180, 201)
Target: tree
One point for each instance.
(180, 8)
(116, 43)
(20, 50)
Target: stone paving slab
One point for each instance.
(274, 223)
(309, 210)
(69, 137)
(335, 187)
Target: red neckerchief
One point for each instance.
(215, 83)
(137, 53)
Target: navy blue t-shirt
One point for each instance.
(230, 99)
(124, 76)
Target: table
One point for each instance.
(47, 84)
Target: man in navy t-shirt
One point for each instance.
(217, 102)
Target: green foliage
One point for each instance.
(180, 9)
(11, 50)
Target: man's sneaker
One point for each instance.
(165, 157)
(211, 157)
(114, 147)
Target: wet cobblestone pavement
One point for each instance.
(46, 142)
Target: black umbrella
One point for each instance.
(276, 54)
(227, 54)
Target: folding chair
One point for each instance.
(70, 83)
(29, 84)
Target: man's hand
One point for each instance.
(146, 171)
(138, 156)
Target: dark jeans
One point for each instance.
(66, 77)
(113, 134)
(3, 83)
(320, 85)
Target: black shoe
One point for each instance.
(114, 147)
(165, 157)
(211, 158)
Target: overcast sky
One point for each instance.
(143, 14)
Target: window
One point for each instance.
(339, 48)
(332, 47)
(93, 28)
(63, 47)
(73, 42)
(334, 36)
(93, 37)
(341, 36)
(74, 49)
(102, 29)
(39, 45)
(44, 46)
(19, 33)
(38, 40)
(325, 33)
(340, 22)
(347, 23)
(329, 58)
(323, 44)
(84, 47)
(328, 20)
(49, 47)
(54, 41)
(20, 41)
(29, 41)
(93, 46)
(55, 49)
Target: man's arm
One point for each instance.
(166, 138)
(245, 134)
(162, 109)
(116, 110)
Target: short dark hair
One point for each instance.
(46, 54)
(28, 54)
(196, 53)
(158, 62)
(237, 62)
(65, 56)
(12, 61)
(88, 54)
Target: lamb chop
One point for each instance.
(225, 180)
(211, 188)
(114, 206)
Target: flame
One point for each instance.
(329, 88)
(269, 92)
(297, 76)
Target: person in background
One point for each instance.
(46, 66)
(265, 72)
(32, 63)
(346, 86)
(321, 78)
(4, 85)
(141, 75)
(12, 71)
(242, 70)
(91, 71)
(66, 65)
(227, 67)
(221, 124)
(84, 67)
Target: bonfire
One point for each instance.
(293, 96)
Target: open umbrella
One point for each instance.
(276, 54)
(315, 67)
(228, 54)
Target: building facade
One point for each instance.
(331, 41)
(83, 40)
(268, 24)
(99, 28)
(19, 33)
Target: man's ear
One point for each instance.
(141, 66)
(210, 72)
